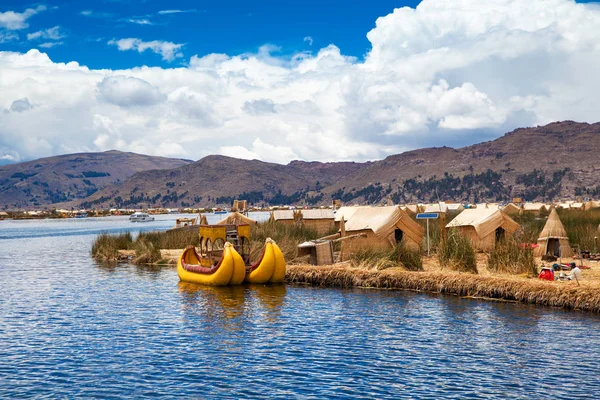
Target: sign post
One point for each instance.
(427, 217)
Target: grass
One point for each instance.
(457, 253)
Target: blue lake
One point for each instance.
(70, 327)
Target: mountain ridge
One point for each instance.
(549, 162)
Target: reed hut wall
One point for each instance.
(321, 226)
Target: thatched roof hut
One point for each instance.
(443, 207)
(236, 218)
(534, 208)
(283, 216)
(383, 227)
(553, 239)
(511, 209)
(347, 212)
(321, 220)
(484, 226)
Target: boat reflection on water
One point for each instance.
(270, 297)
(231, 302)
(214, 302)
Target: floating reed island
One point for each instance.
(585, 296)
(483, 254)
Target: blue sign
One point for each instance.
(427, 216)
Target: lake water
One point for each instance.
(72, 328)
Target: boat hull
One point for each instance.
(280, 266)
(220, 276)
(263, 270)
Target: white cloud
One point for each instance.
(126, 91)
(162, 12)
(49, 45)
(47, 34)
(168, 50)
(12, 20)
(139, 21)
(445, 71)
(309, 40)
(8, 37)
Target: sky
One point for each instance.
(279, 81)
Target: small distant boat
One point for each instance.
(81, 214)
(220, 212)
(141, 217)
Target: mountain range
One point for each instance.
(551, 162)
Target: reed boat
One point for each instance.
(224, 259)
(230, 269)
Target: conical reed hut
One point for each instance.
(553, 239)
(236, 218)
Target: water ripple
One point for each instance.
(71, 328)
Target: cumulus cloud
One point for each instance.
(12, 20)
(126, 91)
(309, 40)
(168, 50)
(440, 73)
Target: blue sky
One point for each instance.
(282, 80)
(204, 27)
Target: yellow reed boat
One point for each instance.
(191, 267)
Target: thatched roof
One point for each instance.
(443, 207)
(554, 229)
(383, 221)
(280, 215)
(318, 214)
(534, 207)
(347, 212)
(3, 214)
(484, 220)
(236, 219)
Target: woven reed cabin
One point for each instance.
(346, 213)
(534, 208)
(384, 228)
(320, 220)
(553, 239)
(512, 209)
(484, 226)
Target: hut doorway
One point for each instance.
(500, 234)
(398, 235)
(553, 247)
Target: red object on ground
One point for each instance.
(547, 275)
(528, 245)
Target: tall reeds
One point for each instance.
(509, 257)
(457, 253)
(105, 247)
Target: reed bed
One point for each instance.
(457, 253)
(105, 247)
(287, 237)
(555, 294)
(509, 257)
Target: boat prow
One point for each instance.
(191, 268)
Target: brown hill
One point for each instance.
(219, 180)
(549, 162)
(47, 181)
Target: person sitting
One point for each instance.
(546, 274)
(575, 273)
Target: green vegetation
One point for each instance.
(457, 253)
